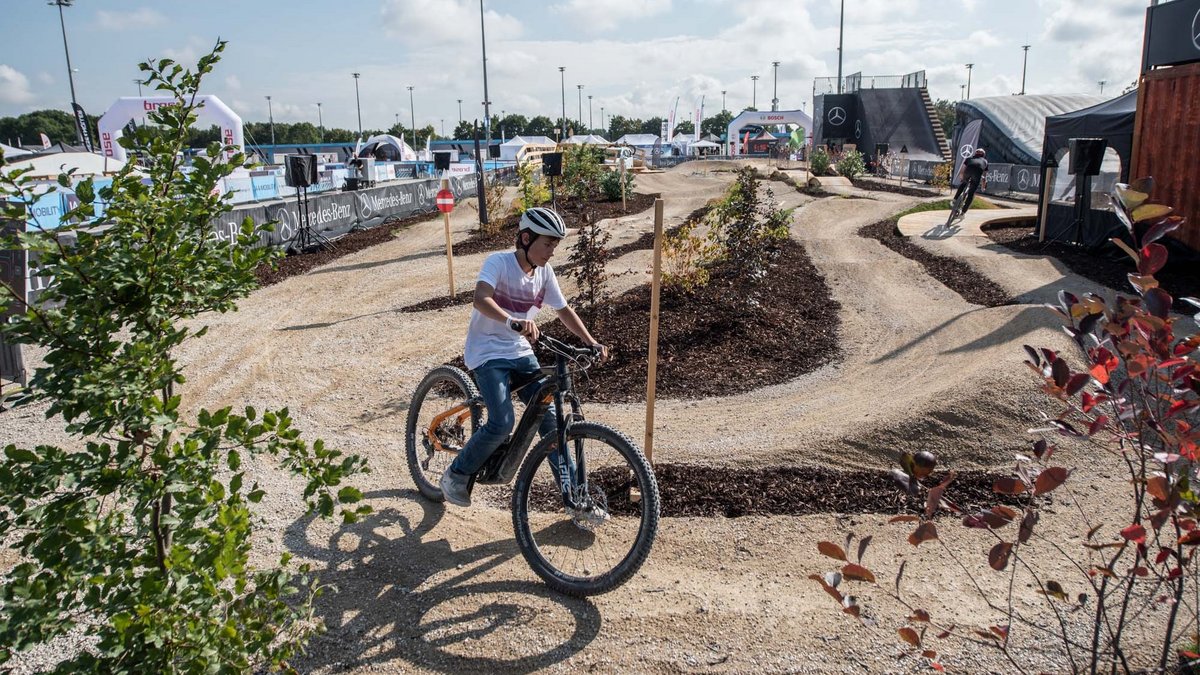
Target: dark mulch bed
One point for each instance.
(689, 490)
(880, 186)
(441, 302)
(1107, 265)
(354, 241)
(572, 213)
(713, 341)
(957, 275)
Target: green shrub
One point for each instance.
(819, 162)
(532, 191)
(851, 164)
(139, 530)
(582, 166)
(610, 184)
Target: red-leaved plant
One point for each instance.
(1135, 397)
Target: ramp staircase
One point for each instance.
(936, 123)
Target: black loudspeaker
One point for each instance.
(441, 161)
(881, 149)
(552, 164)
(493, 152)
(300, 170)
(1087, 154)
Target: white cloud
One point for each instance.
(233, 83)
(143, 17)
(1102, 39)
(595, 16)
(14, 86)
(190, 53)
(427, 22)
(45, 78)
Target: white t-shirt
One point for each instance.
(519, 294)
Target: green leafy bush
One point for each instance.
(531, 190)
(582, 167)
(610, 184)
(851, 164)
(589, 259)
(141, 530)
(819, 162)
(748, 226)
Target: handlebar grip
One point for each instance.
(515, 325)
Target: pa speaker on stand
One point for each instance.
(300, 172)
(1087, 155)
(552, 168)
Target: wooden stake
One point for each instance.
(449, 244)
(623, 206)
(652, 370)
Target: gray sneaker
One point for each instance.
(454, 488)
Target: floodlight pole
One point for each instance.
(970, 67)
(562, 72)
(841, 33)
(70, 73)
(775, 87)
(754, 90)
(1024, 63)
(358, 104)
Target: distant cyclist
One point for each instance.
(974, 171)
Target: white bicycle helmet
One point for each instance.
(545, 221)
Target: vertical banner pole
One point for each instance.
(449, 244)
(652, 368)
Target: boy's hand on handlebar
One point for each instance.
(602, 350)
(526, 328)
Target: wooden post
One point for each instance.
(652, 369)
(623, 206)
(449, 244)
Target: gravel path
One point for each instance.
(424, 589)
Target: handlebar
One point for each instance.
(561, 347)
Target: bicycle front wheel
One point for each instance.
(603, 541)
(444, 412)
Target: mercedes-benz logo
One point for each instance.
(837, 116)
(966, 150)
(858, 128)
(365, 206)
(1023, 179)
(1196, 30)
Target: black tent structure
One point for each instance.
(1112, 121)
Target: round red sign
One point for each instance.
(445, 201)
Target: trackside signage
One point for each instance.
(1172, 34)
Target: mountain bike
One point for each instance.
(585, 519)
(956, 207)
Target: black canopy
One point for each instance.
(1111, 120)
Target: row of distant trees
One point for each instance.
(59, 126)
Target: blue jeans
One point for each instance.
(494, 379)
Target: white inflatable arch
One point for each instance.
(765, 119)
(210, 111)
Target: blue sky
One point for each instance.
(634, 57)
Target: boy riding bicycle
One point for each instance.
(512, 287)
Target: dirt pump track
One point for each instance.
(421, 587)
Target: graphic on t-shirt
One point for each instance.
(513, 300)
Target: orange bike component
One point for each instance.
(463, 412)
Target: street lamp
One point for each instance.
(591, 120)
(358, 104)
(1024, 63)
(970, 67)
(1102, 82)
(487, 106)
(602, 123)
(775, 87)
(460, 111)
(754, 96)
(580, 86)
(562, 71)
(271, 117)
(138, 82)
(722, 100)
(70, 73)
(320, 121)
(412, 117)
(962, 88)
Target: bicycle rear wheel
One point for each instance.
(594, 549)
(445, 411)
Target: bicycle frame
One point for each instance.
(502, 466)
